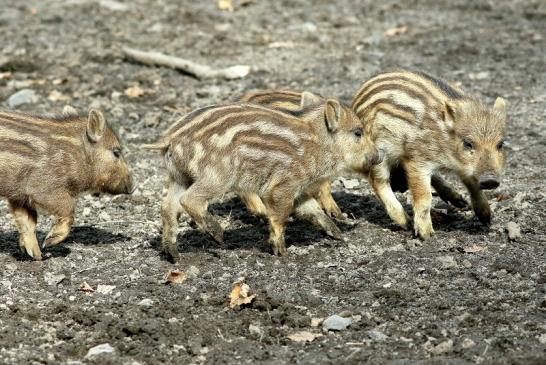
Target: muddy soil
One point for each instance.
(469, 295)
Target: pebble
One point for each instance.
(101, 349)
(447, 262)
(25, 96)
(52, 279)
(514, 232)
(146, 302)
(255, 330)
(114, 5)
(349, 183)
(468, 343)
(377, 335)
(442, 348)
(336, 323)
(192, 272)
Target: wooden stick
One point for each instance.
(198, 70)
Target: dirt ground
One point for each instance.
(469, 295)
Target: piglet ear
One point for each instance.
(332, 114)
(95, 125)
(500, 106)
(308, 99)
(450, 113)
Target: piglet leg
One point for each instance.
(195, 203)
(327, 201)
(26, 218)
(310, 210)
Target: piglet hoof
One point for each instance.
(171, 251)
(34, 253)
(335, 233)
(459, 202)
(215, 230)
(424, 232)
(484, 215)
(279, 249)
(335, 212)
(51, 241)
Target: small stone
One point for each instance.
(447, 262)
(146, 302)
(52, 279)
(514, 232)
(104, 348)
(467, 264)
(336, 323)
(346, 314)
(442, 348)
(11, 267)
(349, 183)
(255, 330)
(105, 216)
(114, 5)
(377, 335)
(468, 343)
(542, 338)
(105, 289)
(25, 96)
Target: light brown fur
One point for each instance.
(45, 163)
(274, 160)
(426, 126)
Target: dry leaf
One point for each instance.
(58, 96)
(474, 249)
(396, 31)
(86, 288)
(105, 289)
(240, 294)
(134, 92)
(500, 197)
(225, 5)
(303, 336)
(176, 277)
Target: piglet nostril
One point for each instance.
(489, 182)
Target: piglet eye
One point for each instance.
(468, 144)
(358, 132)
(116, 152)
(501, 145)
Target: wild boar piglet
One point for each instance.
(426, 126)
(45, 163)
(276, 159)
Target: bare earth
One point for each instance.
(469, 295)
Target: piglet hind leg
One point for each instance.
(26, 218)
(170, 214)
(195, 203)
(279, 206)
(327, 202)
(254, 204)
(309, 209)
(61, 205)
(419, 184)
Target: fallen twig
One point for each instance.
(198, 70)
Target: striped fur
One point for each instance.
(426, 125)
(273, 159)
(294, 103)
(45, 163)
